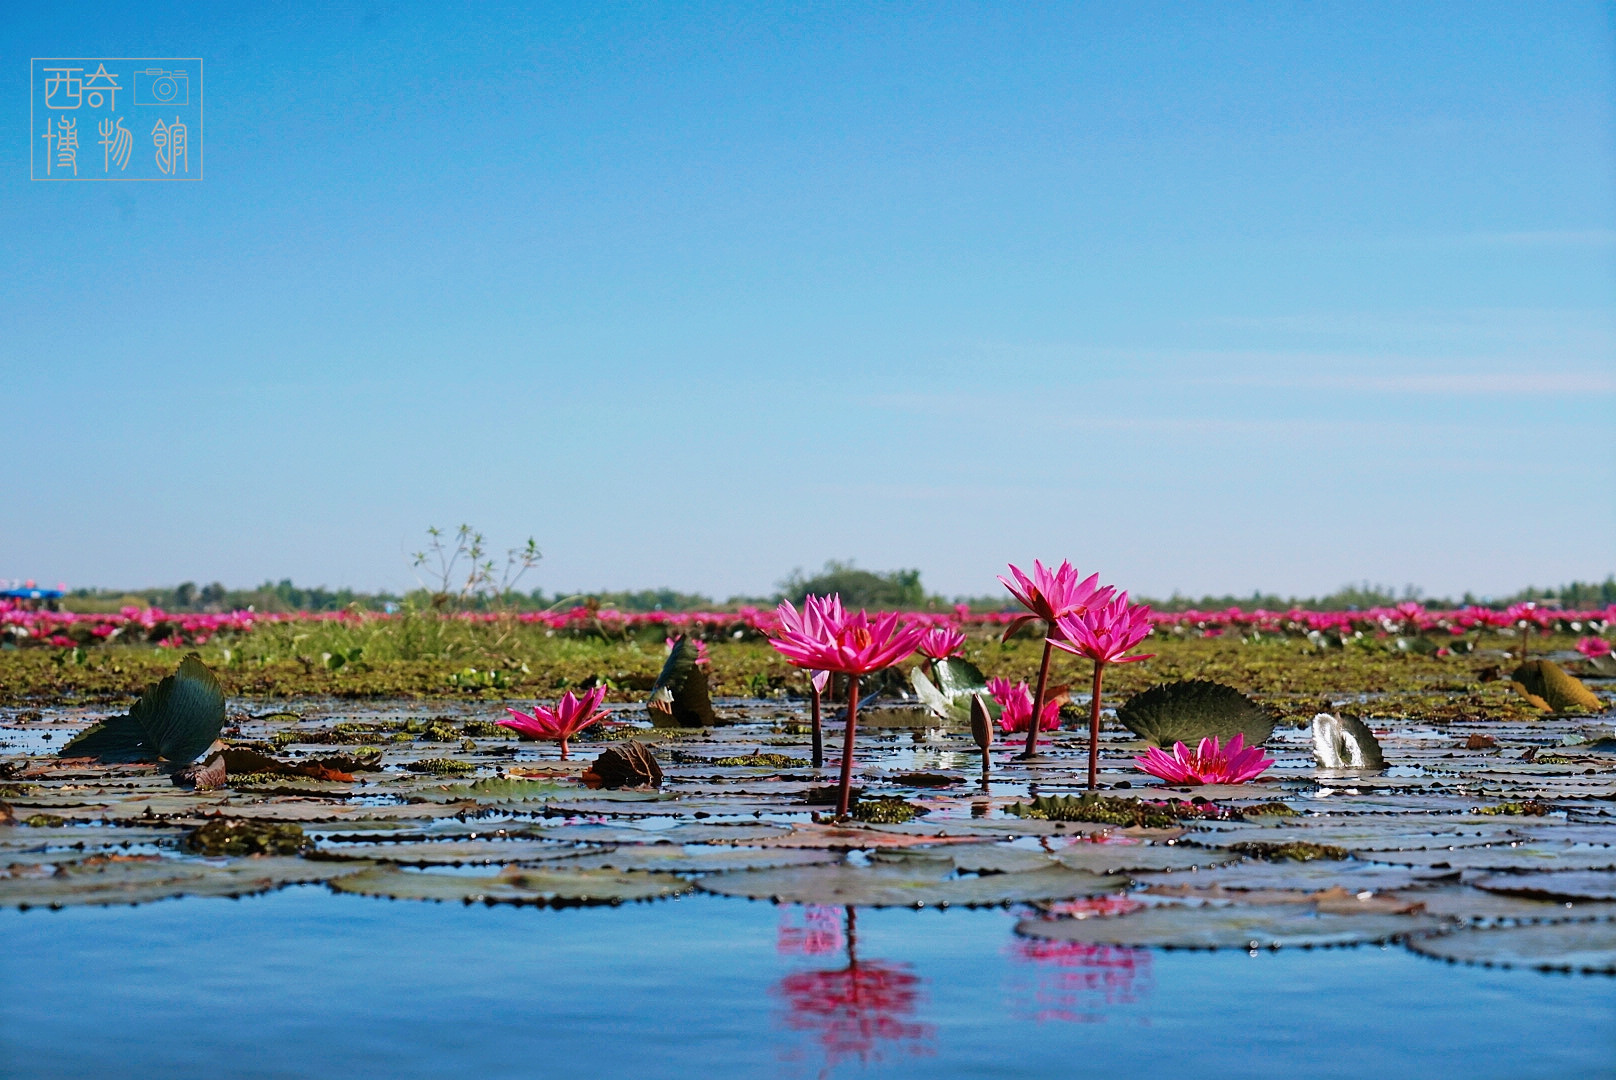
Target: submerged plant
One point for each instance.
(570, 716)
(1104, 634)
(1050, 595)
(1210, 763)
(826, 637)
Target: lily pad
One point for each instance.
(1563, 693)
(1554, 885)
(698, 860)
(1190, 710)
(1585, 946)
(1345, 742)
(450, 852)
(176, 720)
(1120, 858)
(514, 886)
(679, 698)
(136, 879)
(1232, 927)
(910, 883)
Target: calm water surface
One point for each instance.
(303, 983)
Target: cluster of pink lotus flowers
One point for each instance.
(1080, 616)
(23, 626)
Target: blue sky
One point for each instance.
(1204, 297)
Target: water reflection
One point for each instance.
(1076, 982)
(861, 1011)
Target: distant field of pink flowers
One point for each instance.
(22, 627)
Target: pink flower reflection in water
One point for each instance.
(1078, 983)
(817, 933)
(857, 1012)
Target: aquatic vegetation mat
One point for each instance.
(1485, 816)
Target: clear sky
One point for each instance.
(1205, 297)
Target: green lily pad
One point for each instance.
(958, 678)
(1582, 946)
(679, 698)
(139, 879)
(1231, 927)
(698, 860)
(909, 883)
(1190, 710)
(450, 852)
(1120, 858)
(1554, 885)
(176, 720)
(514, 886)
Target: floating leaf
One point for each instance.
(451, 852)
(176, 720)
(1121, 858)
(1191, 710)
(1476, 905)
(183, 714)
(1232, 927)
(1345, 742)
(958, 678)
(703, 859)
(917, 882)
(1554, 885)
(514, 886)
(1562, 693)
(630, 765)
(1584, 946)
(122, 879)
(679, 698)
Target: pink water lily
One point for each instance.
(1016, 702)
(1592, 647)
(570, 716)
(1104, 634)
(825, 637)
(941, 642)
(1210, 763)
(1049, 595)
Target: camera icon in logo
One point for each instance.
(154, 86)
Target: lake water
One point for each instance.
(304, 983)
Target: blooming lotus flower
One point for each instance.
(825, 637)
(1016, 701)
(941, 642)
(1592, 647)
(570, 716)
(1049, 595)
(1104, 634)
(1211, 762)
